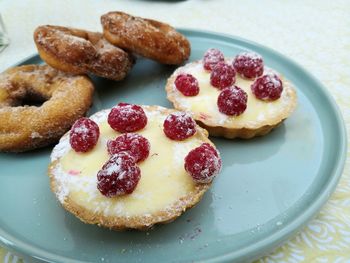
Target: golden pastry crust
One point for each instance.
(143, 222)
(132, 222)
(66, 98)
(146, 37)
(232, 130)
(81, 52)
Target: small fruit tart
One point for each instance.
(232, 98)
(133, 166)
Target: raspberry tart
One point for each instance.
(232, 98)
(128, 167)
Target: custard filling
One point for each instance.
(163, 177)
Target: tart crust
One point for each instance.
(233, 130)
(140, 222)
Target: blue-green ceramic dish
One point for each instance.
(268, 189)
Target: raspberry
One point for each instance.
(203, 163)
(136, 145)
(232, 101)
(212, 57)
(249, 65)
(222, 75)
(268, 87)
(127, 118)
(84, 135)
(118, 176)
(179, 126)
(187, 84)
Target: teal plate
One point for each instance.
(268, 189)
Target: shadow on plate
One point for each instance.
(251, 150)
(146, 79)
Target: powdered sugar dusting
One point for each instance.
(135, 144)
(159, 36)
(273, 79)
(232, 101)
(179, 126)
(62, 148)
(180, 151)
(84, 185)
(251, 55)
(203, 163)
(127, 118)
(34, 135)
(156, 113)
(59, 35)
(64, 181)
(114, 168)
(249, 64)
(269, 87)
(100, 116)
(118, 176)
(81, 129)
(206, 173)
(205, 103)
(103, 46)
(212, 57)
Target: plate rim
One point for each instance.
(267, 243)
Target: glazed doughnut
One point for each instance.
(80, 52)
(65, 98)
(146, 37)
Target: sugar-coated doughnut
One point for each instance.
(80, 52)
(146, 37)
(65, 98)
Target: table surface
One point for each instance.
(314, 34)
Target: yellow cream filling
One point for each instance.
(163, 177)
(205, 103)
